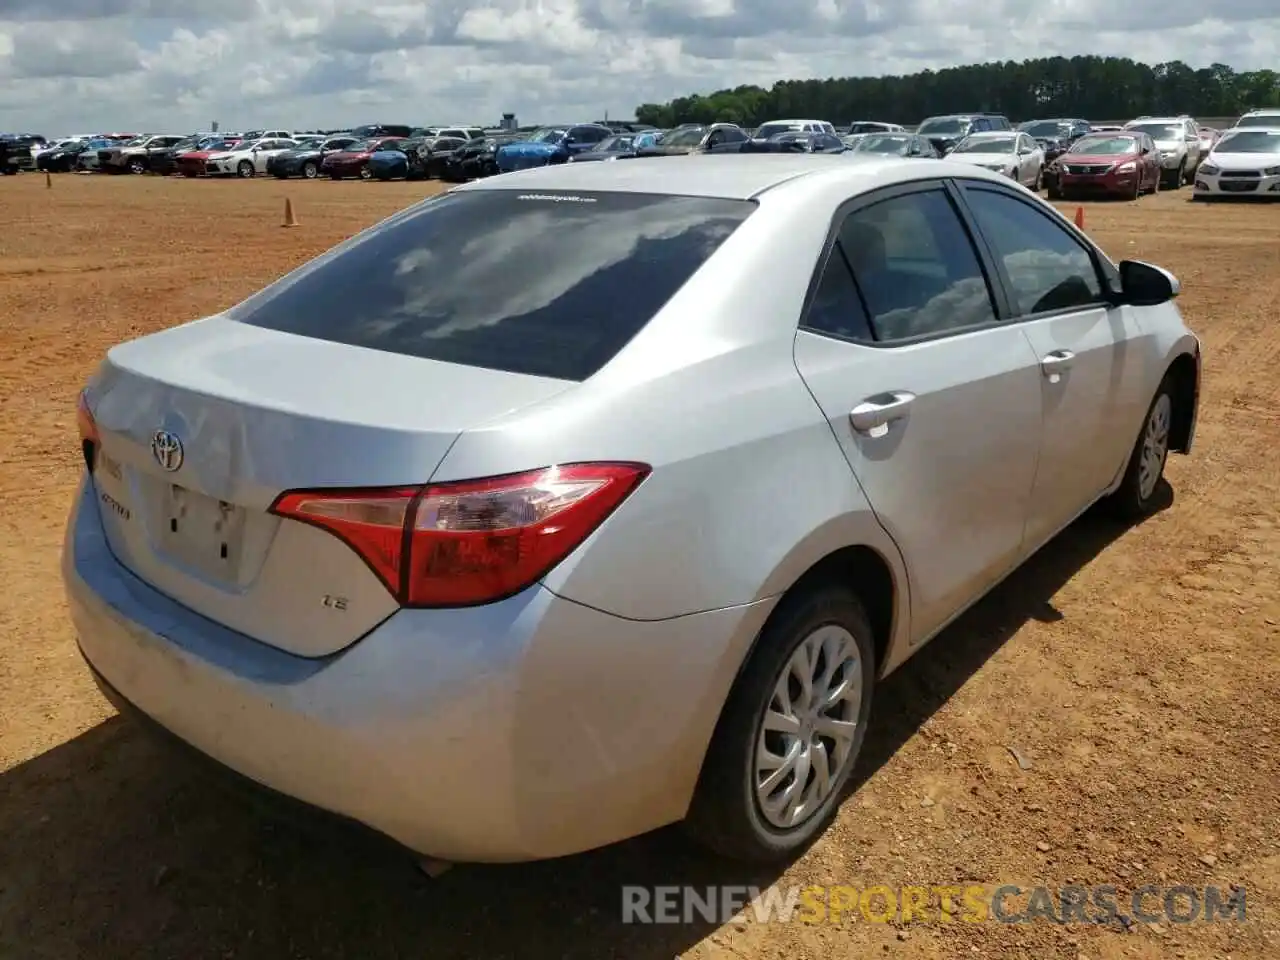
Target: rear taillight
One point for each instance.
(88, 429)
(473, 541)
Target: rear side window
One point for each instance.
(547, 284)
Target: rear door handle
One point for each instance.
(874, 414)
(1054, 364)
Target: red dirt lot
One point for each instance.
(1136, 672)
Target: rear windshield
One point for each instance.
(547, 284)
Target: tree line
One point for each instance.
(1092, 88)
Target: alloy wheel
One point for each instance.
(1155, 446)
(807, 732)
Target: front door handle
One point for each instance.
(1054, 365)
(874, 414)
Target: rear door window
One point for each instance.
(471, 278)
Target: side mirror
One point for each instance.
(1146, 285)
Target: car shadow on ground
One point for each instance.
(112, 849)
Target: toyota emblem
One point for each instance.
(167, 449)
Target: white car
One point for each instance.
(1178, 140)
(1260, 118)
(1017, 155)
(247, 159)
(1244, 163)
(775, 127)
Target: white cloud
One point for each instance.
(177, 64)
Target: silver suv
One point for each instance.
(1178, 140)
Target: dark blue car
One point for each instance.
(550, 145)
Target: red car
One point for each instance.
(354, 161)
(1124, 164)
(192, 164)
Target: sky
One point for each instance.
(80, 66)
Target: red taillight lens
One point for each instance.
(88, 429)
(471, 542)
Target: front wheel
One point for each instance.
(1135, 498)
(365, 172)
(137, 166)
(789, 735)
(309, 170)
(244, 169)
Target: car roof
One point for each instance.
(726, 176)
(1234, 130)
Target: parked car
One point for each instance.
(17, 151)
(87, 160)
(796, 142)
(1016, 155)
(1208, 139)
(1178, 141)
(247, 159)
(767, 131)
(399, 160)
(874, 126)
(549, 145)
(456, 524)
(1055, 136)
(305, 159)
(479, 157)
(462, 133)
(378, 131)
(194, 163)
(621, 146)
(135, 155)
(165, 162)
(353, 160)
(696, 138)
(896, 144)
(944, 132)
(1266, 119)
(1125, 164)
(62, 158)
(438, 153)
(1244, 163)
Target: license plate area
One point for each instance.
(200, 532)
(1238, 186)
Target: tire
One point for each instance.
(309, 170)
(1176, 181)
(1135, 497)
(1055, 191)
(244, 170)
(1137, 188)
(1039, 181)
(136, 167)
(727, 815)
(365, 172)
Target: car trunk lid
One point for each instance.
(203, 426)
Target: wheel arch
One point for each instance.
(1184, 376)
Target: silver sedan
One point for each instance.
(591, 498)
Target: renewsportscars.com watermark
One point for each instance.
(1005, 903)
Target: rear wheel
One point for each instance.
(790, 731)
(365, 172)
(137, 166)
(309, 170)
(1135, 497)
(244, 169)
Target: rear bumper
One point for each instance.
(530, 728)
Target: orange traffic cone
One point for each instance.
(289, 219)
(1080, 217)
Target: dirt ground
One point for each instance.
(1136, 672)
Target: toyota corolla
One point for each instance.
(511, 549)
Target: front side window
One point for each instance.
(1047, 267)
(470, 278)
(916, 267)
